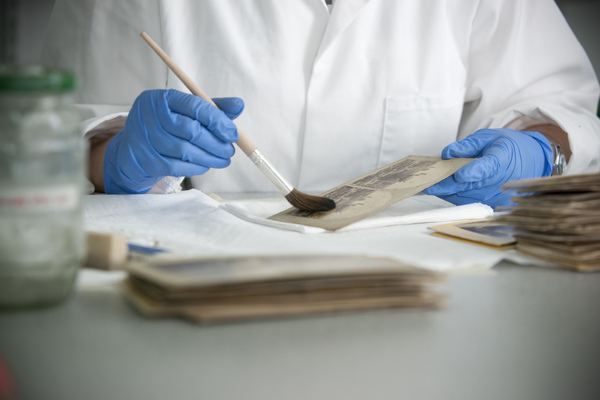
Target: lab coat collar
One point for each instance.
(344, 12)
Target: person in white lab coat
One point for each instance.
(329, 93)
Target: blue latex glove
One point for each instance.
(170, 133)
(503, 155)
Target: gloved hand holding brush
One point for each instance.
(170, 133)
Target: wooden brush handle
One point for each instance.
(243, 142)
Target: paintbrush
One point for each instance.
(296, 198)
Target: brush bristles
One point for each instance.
(306, 202)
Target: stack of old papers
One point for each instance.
(221, 289)
(558, 219)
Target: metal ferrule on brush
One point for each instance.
(270, 172)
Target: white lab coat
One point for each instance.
(332, 96)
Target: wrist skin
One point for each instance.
(96, 161)
(553, 132)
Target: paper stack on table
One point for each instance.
(221, 289)
(558, 219)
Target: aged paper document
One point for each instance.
(366, 195)
(486, 231)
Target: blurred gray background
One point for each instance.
(23, 23)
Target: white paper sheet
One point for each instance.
(192, 223)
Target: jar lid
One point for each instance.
(35, 79)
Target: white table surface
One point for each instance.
(519, 333)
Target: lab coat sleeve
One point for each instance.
(526, 67)
(100, 42)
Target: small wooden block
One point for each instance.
(106, 251)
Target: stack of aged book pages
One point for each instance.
(212, 290)
(558, 219)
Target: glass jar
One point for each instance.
(42, 175)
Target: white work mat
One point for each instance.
(192, 223)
